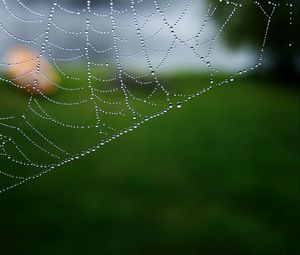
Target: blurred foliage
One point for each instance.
(219, 176)
(247, 28)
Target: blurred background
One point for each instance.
(218, 176)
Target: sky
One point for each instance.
(16, 18)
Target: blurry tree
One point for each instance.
(245, 28)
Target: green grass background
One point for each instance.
(219, 176)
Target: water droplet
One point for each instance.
(178, 105)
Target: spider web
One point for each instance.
(122, 85)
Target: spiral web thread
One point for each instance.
(111, 92)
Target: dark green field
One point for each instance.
(219, 176)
